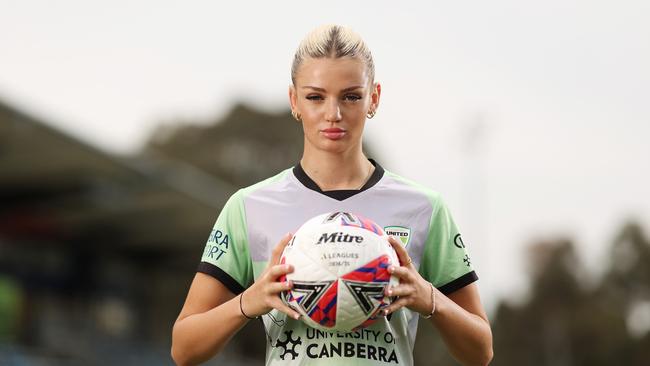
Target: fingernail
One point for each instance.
(390, 292)
(391, 269)
(296, 316)
(385, 311)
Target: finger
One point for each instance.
(401, 290)
(278, 304)
(279, 248)
(275, 288)
(402, 255)
(279, 270)
(403, 273)
(396, 305)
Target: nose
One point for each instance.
(333, 112)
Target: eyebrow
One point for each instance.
(323, 90)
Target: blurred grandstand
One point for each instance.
(97, 251)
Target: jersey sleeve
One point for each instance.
(226, 256)
(445, 261)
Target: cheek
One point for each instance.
(310, 119)
(361, 106)
(355, 112)
(309, 109)
(358, 109)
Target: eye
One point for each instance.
(314, 97)
(352, 97)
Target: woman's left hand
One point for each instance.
(413, 291)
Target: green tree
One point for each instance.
(565, 322)
(244, 147)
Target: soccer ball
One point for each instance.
(341, 265)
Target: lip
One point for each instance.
(333, 133)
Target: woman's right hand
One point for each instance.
(264, 295)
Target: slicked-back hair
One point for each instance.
(332, 41)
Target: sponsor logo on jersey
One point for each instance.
(352, 350)
(458, 242)
(218, 243)
(367, 344)
(288, 345)
(401, 232)
(467, 261)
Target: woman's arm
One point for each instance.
(209, 318)
(460, 318)
(212, 314)
(464, 326)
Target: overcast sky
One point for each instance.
(532, 119)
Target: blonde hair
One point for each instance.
(333, 41)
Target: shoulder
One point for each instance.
(269, 182)
(263, 194)
(410, 187)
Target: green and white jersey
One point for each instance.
(255, 219)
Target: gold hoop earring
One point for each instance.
(296, 115)
(371, 113)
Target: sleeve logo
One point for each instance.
(218, 243)
(458, 242)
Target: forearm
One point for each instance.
(198, 337)
(467, 336)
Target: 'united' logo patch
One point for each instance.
(401, 232)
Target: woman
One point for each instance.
(332, 93)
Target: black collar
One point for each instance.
(339, 194)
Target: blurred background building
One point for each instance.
(97, 251)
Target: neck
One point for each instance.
(336, 171)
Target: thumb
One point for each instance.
(279, 248)
(402, 254)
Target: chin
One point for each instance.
(332, 146)
(335, 147)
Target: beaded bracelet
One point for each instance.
(433, 303)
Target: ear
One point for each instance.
(375, 95)
(293, 98)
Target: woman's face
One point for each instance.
(333, 96)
